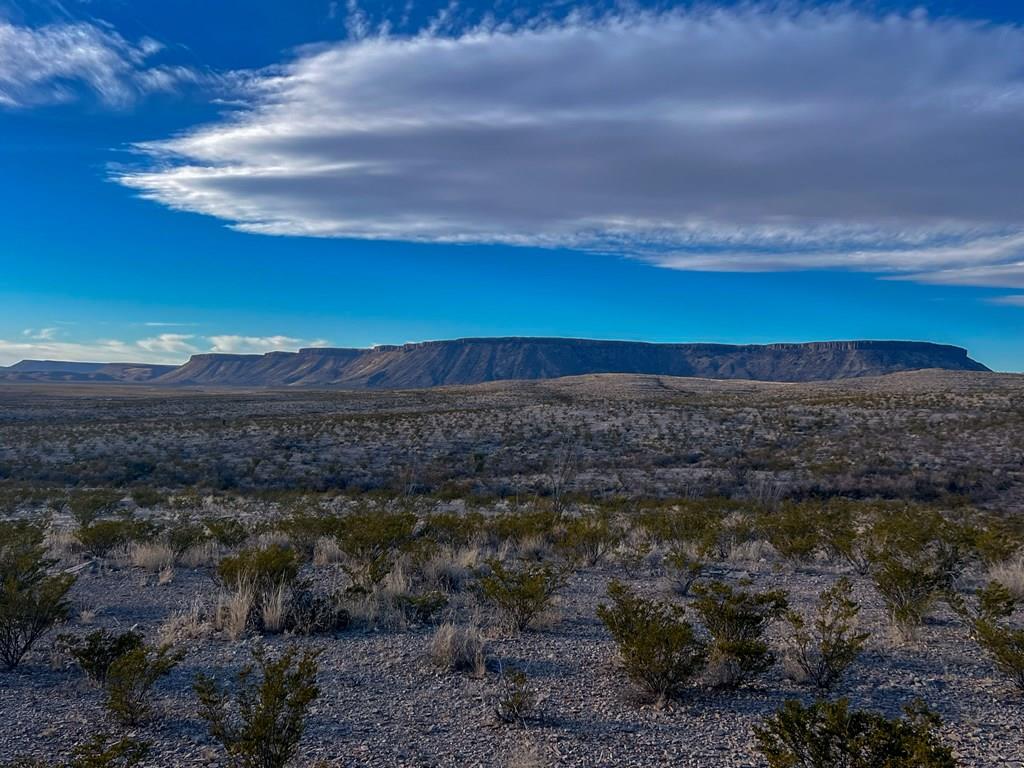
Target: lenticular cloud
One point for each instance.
(743, 139)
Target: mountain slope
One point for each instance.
(473, 361)
(59, 370)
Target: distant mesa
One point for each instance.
(60, 370)
(475, 361)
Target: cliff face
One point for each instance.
(473, 361)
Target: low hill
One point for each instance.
(59, 370)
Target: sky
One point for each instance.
(233, 176)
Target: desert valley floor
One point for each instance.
(741, 478)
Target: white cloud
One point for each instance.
(40, 334)
(171, 343)
(750, 138)
(233, 344)
(51, 64)
(1016, 300)
(165, 348)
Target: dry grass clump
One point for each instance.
(459, 649)
(450, 570)
(1011, 575)
(234, 608)
(189, 624)
(326, 551)
(202, 555)
(274, 604)
(151, 556)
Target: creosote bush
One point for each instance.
(1003, 643)
(130, 680)
(522, 594)
(371, 542)
(265, 569)
(822, 648)
(792, 531)
(517, 699)
(261, 724)
(101, 751)
(658, 649)
(684, 570)
(587, 539)
(830, 735)
(96, 651)
(736, 619)
(101, 537)
(31, 600)
(88, 506)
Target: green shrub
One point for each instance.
(103, 752)
(1003, 643)
(829, 735)
(792, 531)
(587, 539)
(539, 522)
(371, 542)
(184, 535)
(305, 529)
(996, 540)
(687, 523)
(844, 537)
(101, 537)
(422, 608)
(736, 621)
(147, 497)
(96, 651)
(88, 506)
(658, 649)
(453, 530)
(131, 678)
(314, 613)
(517, 700)
(31, 600)
(684, 570)
(266, 568)
(226, 531)
(910, 585)
(264, 725)
(521, 594)
(99, 752)
(824, 648)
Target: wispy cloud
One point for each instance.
(57, 62)
(1015, 300)
(165, 348)
(745, 138)
(40, 334)
(234, 344)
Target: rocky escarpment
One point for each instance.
(473, 361)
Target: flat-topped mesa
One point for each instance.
(478, 360)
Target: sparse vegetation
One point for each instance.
(736, 620)
(830, 734)
(98, 650)
(822, 648)
(31, 600)
(658, 649)
(260, 723)
(385, 513)
(130, 679)
(522, 594)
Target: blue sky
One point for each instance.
(195, 176)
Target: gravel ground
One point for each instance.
(382, 703)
